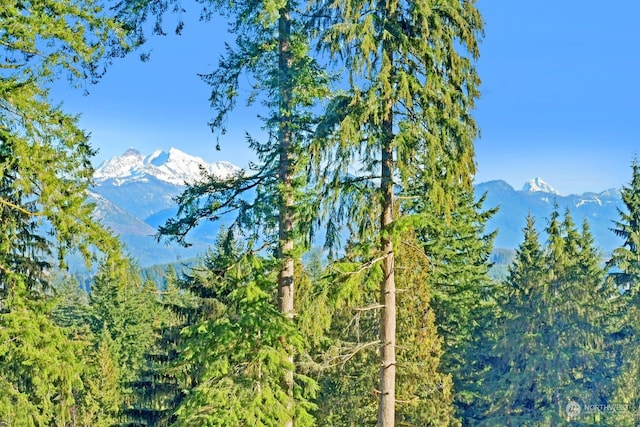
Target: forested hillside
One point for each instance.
(395, 320)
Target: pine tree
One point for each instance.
(588, 301)
(463, 297)
(624, 272)
(347, 359)
(72, 303)
(159, 390)
(97, 402)
(271, 47)
(123, 308)
(410, 92)
(44, 157)
(240, 349)
(102, 402)
(552, 351)
(187, 299)
(40, 364)
(44, 172)
(626, 258)
(313, 306)
(515, 397)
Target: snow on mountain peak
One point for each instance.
(174, 167)
(538, 185)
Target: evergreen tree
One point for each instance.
(72, 303)
(271, 47)
(123, 314)
(624, 272)
(187, 299)
(97, 403)
(425, 393)
(552, 351)
(515, 378)
(348, 378)
(44, 157)
(103, 398)
(407, 107)
(44, 172)
(240, 350)
(40, 367)
(313, 307)
(626, 259)
(463, 297)
(588, 303)
(158, 390)
(348, 360)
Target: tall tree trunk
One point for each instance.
(285, 235)
(387, 384)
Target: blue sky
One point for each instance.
(560, 95)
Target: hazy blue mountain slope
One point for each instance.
(600, 209)
(135, 194)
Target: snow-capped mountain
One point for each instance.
(146, 184)
(537, 185)
(173, 167)
(134, 194)
(538, 199)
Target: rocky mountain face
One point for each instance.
(146, 184)
(134, 194)
(538, 198)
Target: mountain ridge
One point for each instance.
(173, 167)
(600, 209)
(134, 193)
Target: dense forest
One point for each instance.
(370, 144)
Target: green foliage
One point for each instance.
(72, 304)
(157, 391)
(42, 38)
(103, 400)
(40, 365)
(412, 63)
(44, 157)
(347, 359)
(272, 48)
(457, 249)
(123, 313)
(425, 393)
(241, 349)
(312, 306)
(44, 173)
(626, 258)
(256, 195)
(405, 112)
(391, 159)
(552, 345)
(625, 274)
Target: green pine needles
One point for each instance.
(242, 351)
(368, 138)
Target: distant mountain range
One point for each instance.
(134, 194)
(538, 198)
